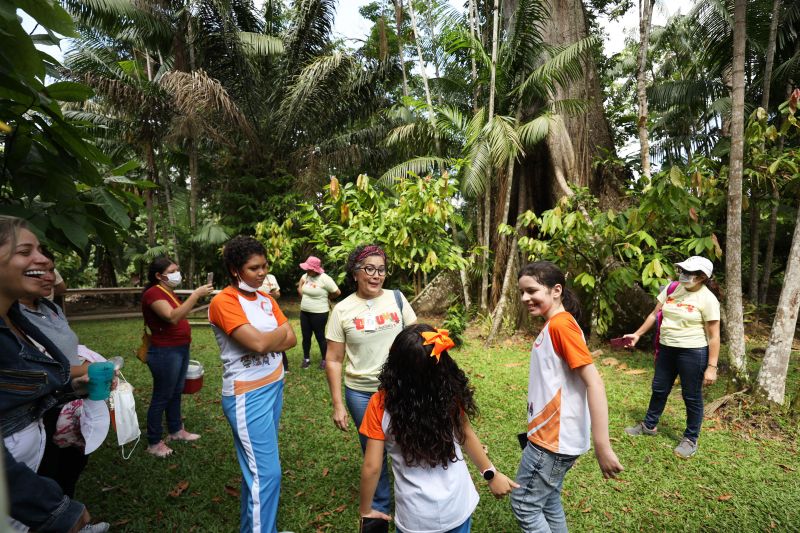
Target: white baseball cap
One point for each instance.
(697, 264)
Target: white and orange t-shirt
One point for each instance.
(244, 370)
(558, 412)
(427, 499)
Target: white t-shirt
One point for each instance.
(684, 314)
(558, 411)
(367, 328)
(270, 284)
(243, 370)
(316, 291)
(427, 499)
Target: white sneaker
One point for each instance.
(100, 527)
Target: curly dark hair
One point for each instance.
(238, 251)
(425, 399)
(353, 263)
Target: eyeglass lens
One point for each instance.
(371, 270)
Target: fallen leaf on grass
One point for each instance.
(172, 466)
(216, 499)
(106, 489)
(179, 489)
(597, 353)
(340, 508)
(608, 515)
(230, 491)
(299, 493)
(512, 365)
(636, 371)
(120, 522)
(622, 366)
(788, 468)
(480, 376)
(325, 472)
(587, 510)
(725, 497)
(610, 361)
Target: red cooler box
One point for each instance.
(194, 377)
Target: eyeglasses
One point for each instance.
(370, 270)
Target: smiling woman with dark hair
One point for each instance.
(360, 331)
(35, 377)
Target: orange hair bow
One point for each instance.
(440, 339)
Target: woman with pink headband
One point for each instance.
(360, 331)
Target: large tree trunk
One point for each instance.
(645, 20)
(733, 260)
(772, 377)
(589, 131)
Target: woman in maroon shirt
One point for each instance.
(168, 355)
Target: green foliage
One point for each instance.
(609, 251)
(48, 173)
(410, 222)
(456, 322)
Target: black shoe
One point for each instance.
(306, 363)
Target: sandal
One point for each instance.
(159, 450)
(184, 436)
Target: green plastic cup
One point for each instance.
(100, 377)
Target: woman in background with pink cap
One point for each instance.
(316, 289)
(688, 347)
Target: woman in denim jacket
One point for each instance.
(34, 374)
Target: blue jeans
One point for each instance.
(356, 402)
(168, 364)
(690, 364)
(466, 527)
(537, 502)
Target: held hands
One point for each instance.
(710, 376)
(633, 337)
(501, 485)
(203, 290)
(376, 514)
(340, 418)
(608, 462)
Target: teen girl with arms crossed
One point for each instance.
(420, 414)
(252, 331)
(565, 392)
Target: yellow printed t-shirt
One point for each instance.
(558, 411)
(684, 316)
(366, 351)
(427, 499)
(242, 369)
(316, 290)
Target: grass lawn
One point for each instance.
(742, 479)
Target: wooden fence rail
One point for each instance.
(113, 291)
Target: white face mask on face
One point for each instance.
(173, 279)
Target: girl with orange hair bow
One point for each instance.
(420, 414)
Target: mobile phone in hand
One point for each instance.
(209, 278)
(621, 342)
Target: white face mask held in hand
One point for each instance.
(124, 408)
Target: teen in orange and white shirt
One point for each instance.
(252, 332)
(420, 415)
(565, 393)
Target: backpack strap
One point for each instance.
(398, 297)
(51, 305)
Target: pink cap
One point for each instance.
(313, 263)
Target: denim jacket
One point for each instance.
(30, 384)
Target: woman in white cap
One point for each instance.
(688, 346)
(316, 289)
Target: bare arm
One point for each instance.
(333, 371)
(598, 411)
(173, 315)
(79, 370)
(278, 340)
(500, 485)
(300, 285)
(370, 472)
(712, 334)
(645, 327)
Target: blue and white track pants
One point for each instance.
(254, 418)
